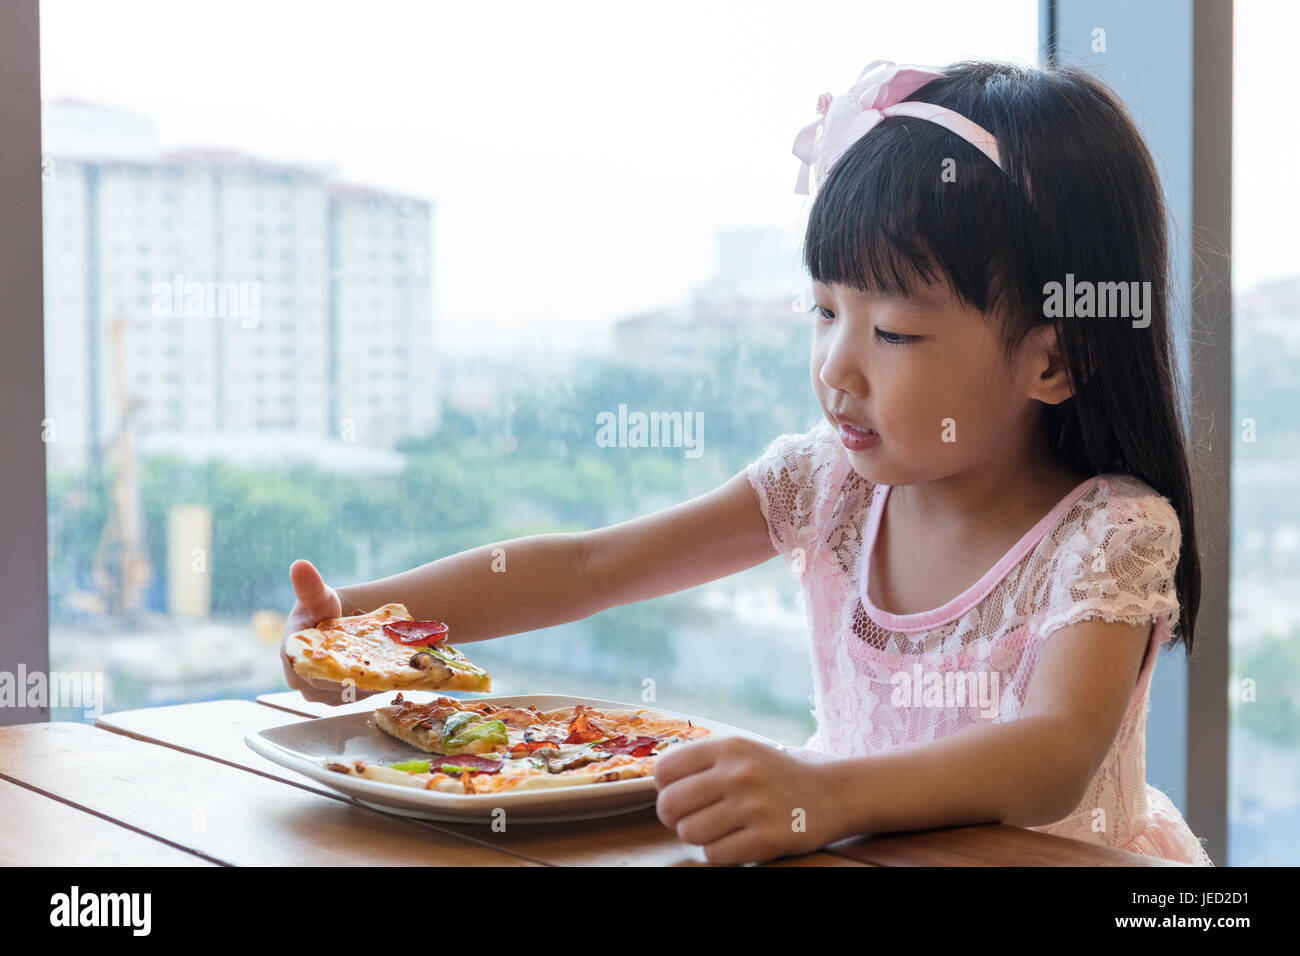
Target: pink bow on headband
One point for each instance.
(878, 92)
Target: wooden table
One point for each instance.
(177, 786)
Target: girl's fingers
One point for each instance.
(316, 600)
(738, 846)
(310, 588)
(710, 824)
(316, 691)
(685, 759)
(318, 696)
(688, 795)
(328, 692)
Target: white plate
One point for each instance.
(300, 747)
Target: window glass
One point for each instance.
(354, 287)
(1264, 775)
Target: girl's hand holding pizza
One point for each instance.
(315, 601)
(744, 801)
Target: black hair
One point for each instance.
(1078, 193)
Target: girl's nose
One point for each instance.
(841, 368)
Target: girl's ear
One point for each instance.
(1049, 381)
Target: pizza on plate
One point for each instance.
(480, 747)
(384, 649)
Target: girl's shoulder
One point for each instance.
(801, 481)
(1114, 555)
(1121, 501)
(803, 458)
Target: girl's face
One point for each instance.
(929, 377)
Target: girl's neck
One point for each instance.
(1016, 490)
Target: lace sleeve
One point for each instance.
(1118, 565)
(785, 478)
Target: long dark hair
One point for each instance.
(1078, 194)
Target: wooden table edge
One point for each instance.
(105, 817)
(909, 848)
(331, 794)
(287, 710)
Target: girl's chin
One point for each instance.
(864, 468)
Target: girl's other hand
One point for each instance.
(745, 801)
(315, 601)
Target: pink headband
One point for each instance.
(877, 94)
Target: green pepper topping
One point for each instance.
(491, 731)
(455, 722)
(412, 766)
(450, 660)
(458, 768)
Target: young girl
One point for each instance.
(993, 525)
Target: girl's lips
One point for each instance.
(855, 438)
(843, 422)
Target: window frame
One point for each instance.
(24, 565)
(1170, 61)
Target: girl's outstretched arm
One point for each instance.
(543, 580)
(720, 533)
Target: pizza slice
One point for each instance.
(479, 747)
(447, 726)
(384, 649)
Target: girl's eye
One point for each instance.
(894, 338)
(889, 338)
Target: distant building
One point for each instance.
(753, 298)
(249, 295)
(754, 265)
(380, 301)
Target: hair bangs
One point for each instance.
(907, 205)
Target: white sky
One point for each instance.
(580, 155)
(1265, 142)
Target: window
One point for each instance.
(500, 276)
(1264, 779)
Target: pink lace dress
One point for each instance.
(1108, 550)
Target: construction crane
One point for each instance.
(121, 568)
